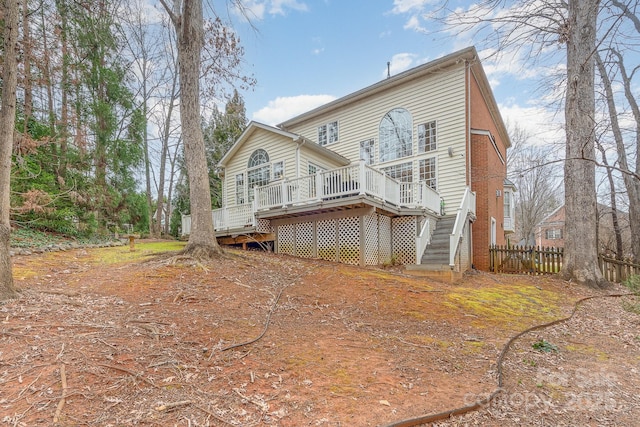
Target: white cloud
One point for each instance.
(414, 24)
(278, 6)
(401, 62)
(404, 6)
(317, 51)
(542, 125)
(283, 108)
(256, 9)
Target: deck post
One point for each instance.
(284, 194)
(319, 186)
(363, 176)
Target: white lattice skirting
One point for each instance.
(370, 239)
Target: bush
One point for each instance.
(632, 304)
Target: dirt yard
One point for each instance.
(108, 337)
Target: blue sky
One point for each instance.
(305, 53)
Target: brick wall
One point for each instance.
(487, 180)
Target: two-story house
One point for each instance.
(409, 170)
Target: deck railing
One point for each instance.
(467, 206)
(234, 217)
(355, 179)
(358, 178)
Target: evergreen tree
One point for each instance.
(220, 134)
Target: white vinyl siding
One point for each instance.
(439, 97)
(278, 147)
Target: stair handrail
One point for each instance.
(467, 206)
(422, 241)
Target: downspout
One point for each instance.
(468, 67)
(223, 186)
(300, 141)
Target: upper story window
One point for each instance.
(402, 172)
(427, 137)
(259, 170)
(553, 234)
(507, 203)
(278, 170)
(366, 151)
(328, 134)
(395, 135)
(258, 158)
(428, 172)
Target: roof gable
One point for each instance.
(293, 137)
(468, 55)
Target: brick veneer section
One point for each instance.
(487, 177)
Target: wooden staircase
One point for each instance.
(435, 260)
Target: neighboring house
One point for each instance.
(409, 170)
(550, 231)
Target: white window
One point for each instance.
(366, 151)
(314, 169)
(507, 204)
(328, 134)
(402, 172)
(240, 189)
(427, 137)
(554, 234)
(428, 172)
(278, 170)
(395, 135)
(258, 170)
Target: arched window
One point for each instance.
(258, 158)
(258, 172)
(395, 135)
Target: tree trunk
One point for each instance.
(631, 182)
(202, 240)
(7, 124)
(164, 152)
(581, 251)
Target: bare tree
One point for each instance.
(531, 28)
(7, 124)
(631, 182)
(537, 179)
(188, 23)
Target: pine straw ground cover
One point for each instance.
(108, 337)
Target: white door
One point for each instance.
(493, 231)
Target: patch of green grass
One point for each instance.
(544, 346)
(506, 304)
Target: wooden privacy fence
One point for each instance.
(525, 259)
(536, 260)
(617, 271)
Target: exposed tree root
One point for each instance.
(202, 252)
